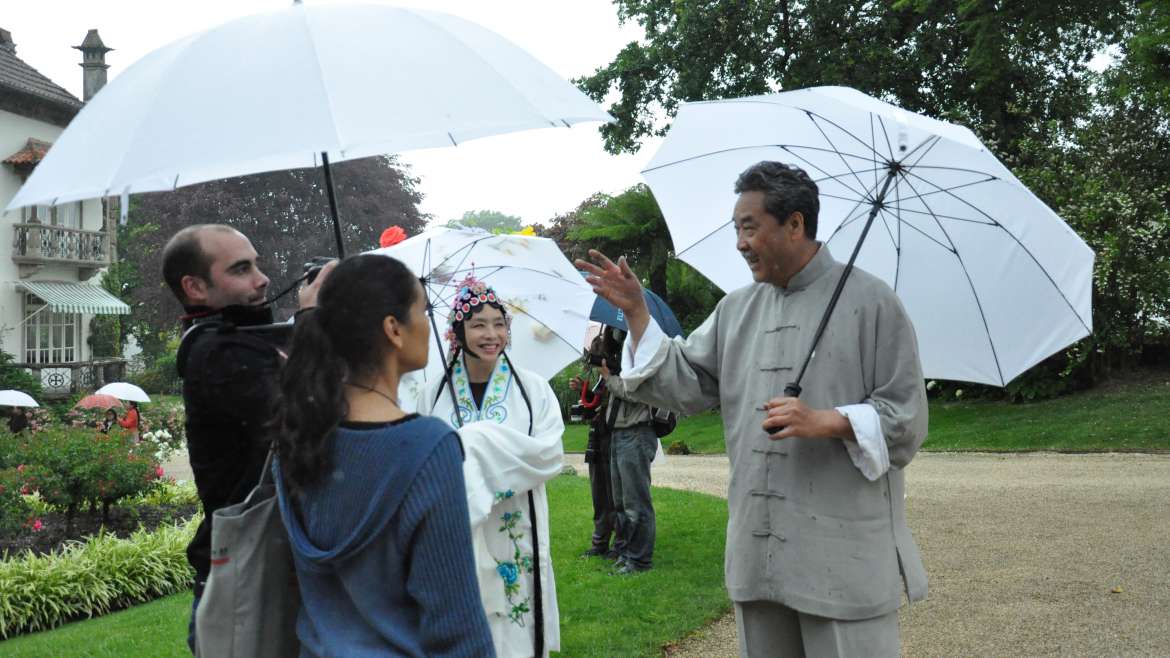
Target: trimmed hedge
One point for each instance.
(93, 577)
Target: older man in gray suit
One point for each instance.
(818, 551)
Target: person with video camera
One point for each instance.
(229, 360)
(633, 445)
(594, 407)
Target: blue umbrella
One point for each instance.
(607, 313)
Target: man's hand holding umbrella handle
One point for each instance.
(798, 419)
(618, 285)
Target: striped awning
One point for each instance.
(70, 297)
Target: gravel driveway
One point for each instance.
(1031, 554)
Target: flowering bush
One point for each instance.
(164, 425)
(71, 466)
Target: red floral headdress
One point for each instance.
(392, 236)
(472, 293)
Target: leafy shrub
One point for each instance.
(93, 577)
(168, 494)
(18, 379)
(71, 466)
(160, 374)
(15, 511)
(678, 448)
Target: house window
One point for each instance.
(49, 336)
(66, 215)
(42, 214)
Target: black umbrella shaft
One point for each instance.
(332, 203)
(442, 357)
(793, 389)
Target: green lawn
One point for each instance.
(1129, 416)
(152, 629)
(703, 433)
(601, 614)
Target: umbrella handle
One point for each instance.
(792, 390)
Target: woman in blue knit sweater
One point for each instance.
(373, 498)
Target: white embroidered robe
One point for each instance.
(503, 463)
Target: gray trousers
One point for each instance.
(772, 630)
(631, 451)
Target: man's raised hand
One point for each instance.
(618, 285)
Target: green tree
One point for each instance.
(491, 221)
(1111, 183)
(284, 213)
(631, 224)
(1015, 69)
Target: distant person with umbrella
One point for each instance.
(20, 409)
(18, 420)
(129, 422)
(109, 421)
(818, 551)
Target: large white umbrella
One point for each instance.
(124, 391)
(12, 398)
(993, 279)
(548, 300)
(300, 87)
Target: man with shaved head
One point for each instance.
(229, 373)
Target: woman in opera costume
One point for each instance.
(511, 427)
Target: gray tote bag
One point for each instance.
(250, 603)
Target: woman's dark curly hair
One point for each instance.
(339, 341)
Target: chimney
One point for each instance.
(93, 64)
(6, 42)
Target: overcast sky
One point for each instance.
(535, 174)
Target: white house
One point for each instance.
(49, 288)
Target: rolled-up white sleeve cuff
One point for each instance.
(870, 454)
(634, 362)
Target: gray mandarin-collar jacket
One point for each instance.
(806, 528)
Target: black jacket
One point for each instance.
(229, 383)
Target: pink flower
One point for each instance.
(37, 525)
(25, 490)
(20, 469)
(158, 470)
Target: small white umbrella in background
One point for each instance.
(124, 391)
(546, 297)
(11, 398)
(300, 87)
(992, 278)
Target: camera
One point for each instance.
(607, 346)
(313, 268)
(579, 413)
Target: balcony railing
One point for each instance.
(39, 244)
(60, 380)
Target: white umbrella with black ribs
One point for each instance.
(300, 87)
(544, 295)
(992, 278)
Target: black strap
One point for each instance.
(611, 415)
(537, 595)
